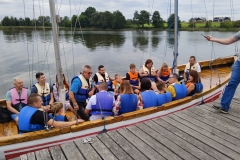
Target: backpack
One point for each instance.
(4, 115)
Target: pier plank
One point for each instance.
(126, 146)
(85, 149)
(232, 154)
(42, 154)
(56, 153)
(102, 150)
(71, 151)
(160, 142)
(24, 157)
(181, 118)
(179, 141)
(208, 127)
(191, 139)
(215, 117)
(138, 143)
(31, 156)
(113, 147)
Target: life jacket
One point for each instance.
(66, 95)
(181, 91)
(115, 82)
(44, 93)
(24, 119)
(133, 78)
(129, 103)
(197, 89)
(149, 99)
(164, 98)
(16, 99)
(165, 74)
(57, 118)
(101, 79)
(82, 93)
(149, 76)
(104, 104)
(189, 68)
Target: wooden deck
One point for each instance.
(196, 133)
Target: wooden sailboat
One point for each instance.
(13, 144)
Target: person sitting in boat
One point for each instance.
(147, 71)
(163, 73)
(67, 105)
(102, 76)
(56, 115)
(116, 84)
(147, 96)
(194, 84)
(16, 98)
(176, 89)
(44, 90)
(101, 104)
(80, 90)
(31, 118)
(164, 96)
(134, 78)
(127, 101)
(191, 65)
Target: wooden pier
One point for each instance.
(199, 132)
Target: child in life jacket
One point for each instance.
(116, 84)
(56, 108)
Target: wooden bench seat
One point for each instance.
(8, 129)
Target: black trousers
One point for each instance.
(81, 111)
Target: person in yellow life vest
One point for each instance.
(116, 83)
(147, 71)
(191, 65)
(102, 76)
(44, 90)
(134, 78)
(163, 73)
(176, 89)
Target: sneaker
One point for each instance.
(223, 111)
(216, 107)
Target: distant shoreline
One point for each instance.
(125, 29)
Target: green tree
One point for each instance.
(192, 24)
(75, 21)
(171, 20)
(28, 21)
(227, 24)
(21, 21)
(208, 24)
(119, 20)
(6, 21)
(107, 19)
(236, 24)
(157, 21)
(143, 18)
(129, 23)
(84, 21)
(89, 12)
(136, 18)
(96, 20)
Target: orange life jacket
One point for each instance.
(115, 82)
(133, 76)
(189, 83)
(165, 73)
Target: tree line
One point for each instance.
(91, 18)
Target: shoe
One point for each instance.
(216, 107)
(223, 111)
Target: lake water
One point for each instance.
(23, 53)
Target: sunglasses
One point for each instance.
(89, 73)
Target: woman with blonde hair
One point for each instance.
(163, 73)
(127, 101)
(56, 108)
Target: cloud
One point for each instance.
(187, 8)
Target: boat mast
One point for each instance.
(175, 35)
(55, 34)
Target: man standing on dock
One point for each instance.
(235, 77)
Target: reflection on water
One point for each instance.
(23, 53)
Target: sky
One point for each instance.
(186, 8)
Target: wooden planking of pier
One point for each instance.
(199, 132)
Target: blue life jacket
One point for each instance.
(57, 118)
(134, 82)
(164, 78)
(129, 103)
(149, 99)
(82, 93)
(150, 77)
(164, 98)
(198, 89)
(24, 119)
(104, 104)
(181, 91)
